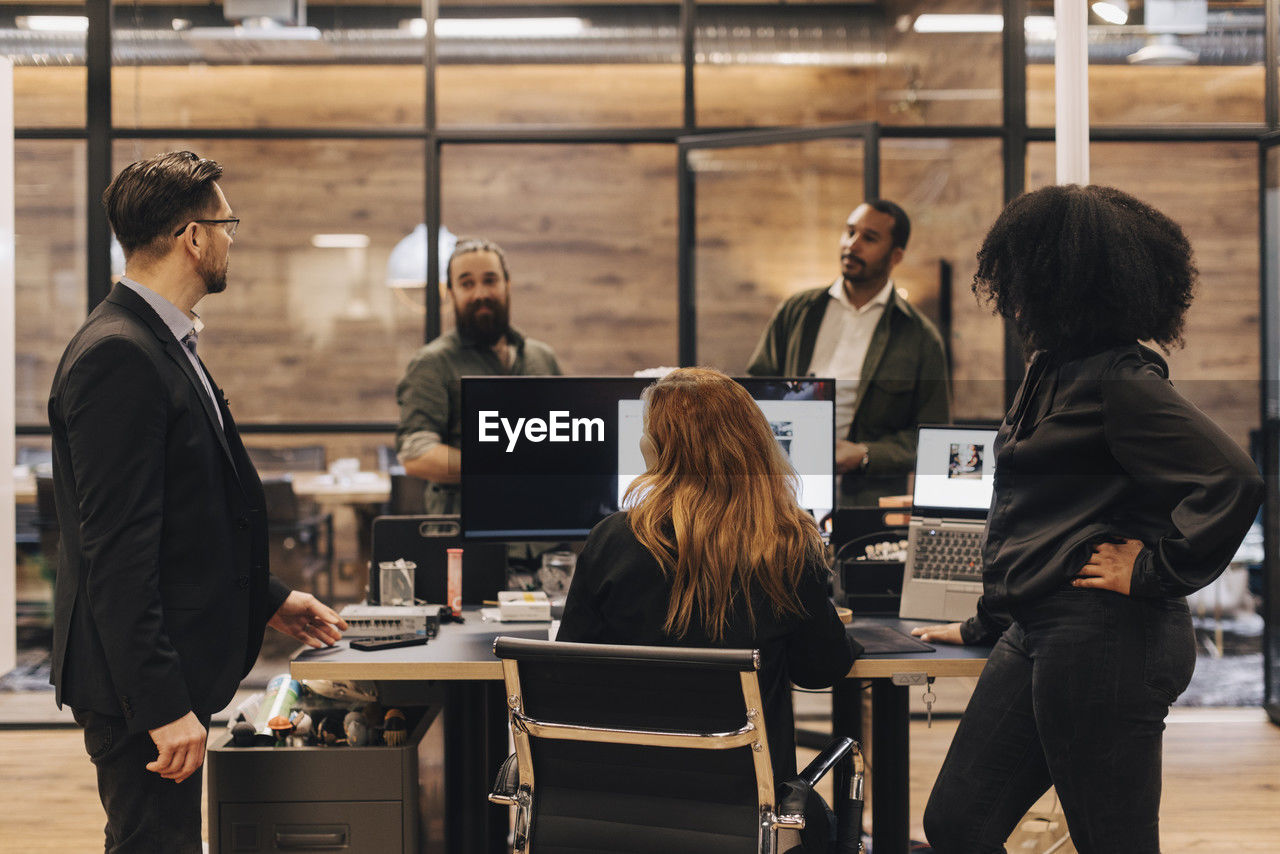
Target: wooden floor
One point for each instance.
(1221, 795)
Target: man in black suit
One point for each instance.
(162, 590)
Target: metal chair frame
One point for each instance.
(518, 790)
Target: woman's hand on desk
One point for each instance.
(940, 633)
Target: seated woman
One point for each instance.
(714, 552)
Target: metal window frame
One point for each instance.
(1269, 417)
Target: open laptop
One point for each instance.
(955, 472)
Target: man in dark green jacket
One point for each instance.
(887, 358)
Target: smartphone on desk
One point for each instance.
(388, 642)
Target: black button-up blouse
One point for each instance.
(1103, 447)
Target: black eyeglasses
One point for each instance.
(230, 223)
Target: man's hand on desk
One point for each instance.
(306, 618)
(940, 633)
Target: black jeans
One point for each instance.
(1075, 694)
(145, 812)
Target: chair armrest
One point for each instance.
(826, 760)
(793, 794)
(507, 782)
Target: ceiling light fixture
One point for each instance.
(54, 23)
(407, 264)
(1112, 11)
(959, 24)
(1040, 27)
(340, 241)
(507, 28)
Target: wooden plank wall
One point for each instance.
(312, 334)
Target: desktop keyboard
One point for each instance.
(948, 555)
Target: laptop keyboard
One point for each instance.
(948, 555)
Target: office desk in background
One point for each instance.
(461, 662)
(24, 488)
(366, 487)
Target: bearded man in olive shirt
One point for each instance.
(483, 343)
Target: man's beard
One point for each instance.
(215, 280)
(867, 273)
(485, 329)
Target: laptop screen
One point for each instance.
(955, 472)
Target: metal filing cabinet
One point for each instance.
(361, 800)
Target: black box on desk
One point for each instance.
(865, 584)
(871, 587)
(362, 800)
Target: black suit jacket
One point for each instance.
(162, 589)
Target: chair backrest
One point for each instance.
(408, 494)
(282, 502)
(387, 460)
(286, 459)
(31, 456)
(46, 506)
(664, 747)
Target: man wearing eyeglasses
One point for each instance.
(162, 588)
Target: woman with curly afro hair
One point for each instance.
(1114, 498)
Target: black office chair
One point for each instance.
(651, 749)
(408, 494)
(387, 459)
(36, 458)
(300, 535)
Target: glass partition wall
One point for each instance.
(354, 133)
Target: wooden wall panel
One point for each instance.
(952, 189)
(307, 334)
(49, 96)
(259, 96)
(939, 78)
(769, 224)
(49, 245)
(1211, 190)
(590, 235)
(604, 95)
(1133, 95)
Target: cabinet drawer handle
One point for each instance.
(335, 838)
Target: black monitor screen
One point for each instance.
(546, 458)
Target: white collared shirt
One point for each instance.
(841, 346)
(181, 326)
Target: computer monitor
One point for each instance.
(546, 458)
(955, 471)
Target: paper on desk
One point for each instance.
(495, 615)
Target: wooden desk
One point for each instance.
(366, 487)
(476, 718)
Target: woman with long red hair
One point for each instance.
(714, 551)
